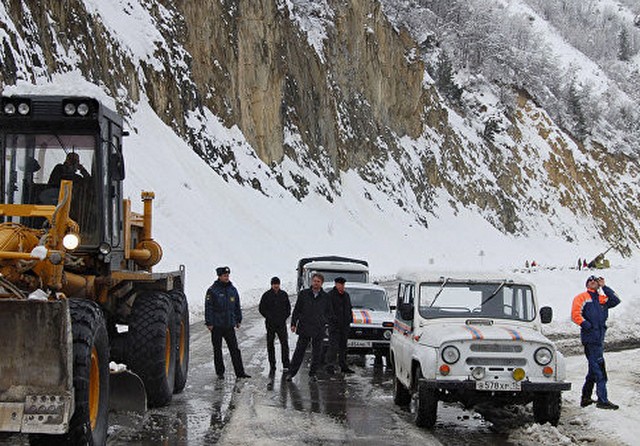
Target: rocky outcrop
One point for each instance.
(325, 89)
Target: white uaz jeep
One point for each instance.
(470, 341)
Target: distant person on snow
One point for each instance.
(222, 317)
(276, 309)
(590, 311)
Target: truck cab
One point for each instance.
(353, 270)
(40, 138)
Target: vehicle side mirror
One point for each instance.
(116, 166)
(406, 311)
(546, 315)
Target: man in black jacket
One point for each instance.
(339, 325)
(276, 309)
(223, 316)
(308, 321)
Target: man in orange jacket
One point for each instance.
(590, 311)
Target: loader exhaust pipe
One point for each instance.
(147, 252)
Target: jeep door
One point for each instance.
(403, 331)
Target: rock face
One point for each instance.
(316, 88)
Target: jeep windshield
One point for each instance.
(495, 300)
(375, 300)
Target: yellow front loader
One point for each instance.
(77, 290)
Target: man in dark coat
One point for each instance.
(590, 311)
(309, 320)
(339, 325)
(223, 316)
(276, 309)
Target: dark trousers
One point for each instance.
(337, 353)
(283, 337)
(229, 335)
(301, 347)
(597, 374)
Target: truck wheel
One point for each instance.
(181, 308)
(424, 403)
(401, 395)
(547, 407)
(89, 422)
(152, 345)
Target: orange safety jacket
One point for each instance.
(590, 311)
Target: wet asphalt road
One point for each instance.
(262, 410)
(357, 409)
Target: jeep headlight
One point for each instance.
(387, 334)
(543, 356)
(450, 354)
(478, 373)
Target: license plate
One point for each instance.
(499, 386)
(358, 343)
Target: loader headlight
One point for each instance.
(71, 241)
(450, 354)
(83, 109)
(24, 108)
(69, 109)
(104, 248)
(543, 356)
(9, 109)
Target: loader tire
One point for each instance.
(89, 422)
(181, 308)
(151, 345)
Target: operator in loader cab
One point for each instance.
(222, 316)
(71, 169)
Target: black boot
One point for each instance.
(607, 405)
(586, 401)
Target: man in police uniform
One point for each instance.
(222, 317)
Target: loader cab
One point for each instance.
(45, 139)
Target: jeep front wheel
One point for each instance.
(547, 407)
(424, 404)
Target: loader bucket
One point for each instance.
(36, 366)
(126, 392)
